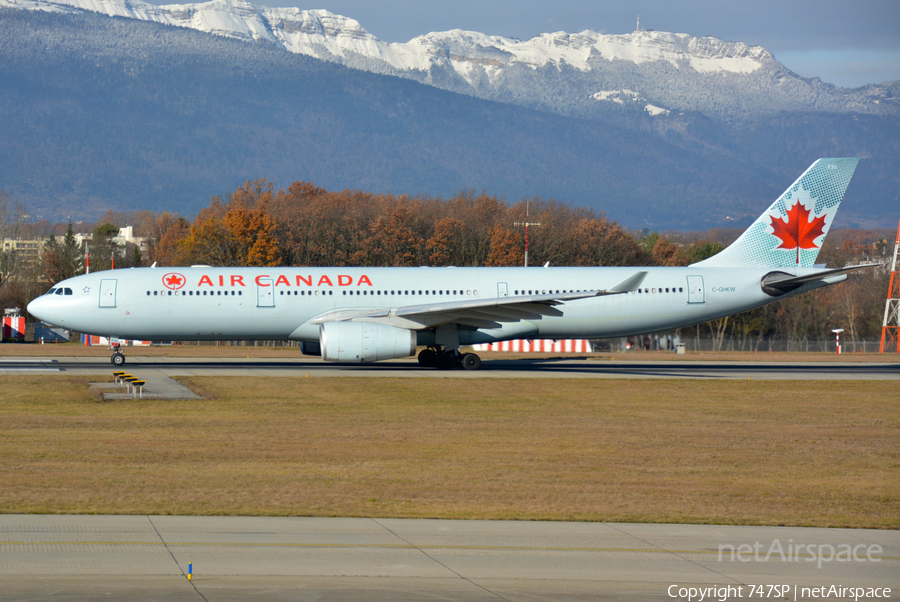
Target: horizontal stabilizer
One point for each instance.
(779, 283)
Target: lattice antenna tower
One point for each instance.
(890, 328)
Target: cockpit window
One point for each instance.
(59, 291)
(68, 291)
(51, 291)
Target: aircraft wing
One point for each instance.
(476, 313)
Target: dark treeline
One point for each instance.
(304, 225)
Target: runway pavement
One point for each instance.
(236, 558)
(490, 368)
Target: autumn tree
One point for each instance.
(599, 242)
(317, 227)
(476, 216)
(251, 229)
(447, 243)
(238, 232)
(553, 240)
(506, 248)
(118, 219)
(168, 235)
(667, 253)
(395, 236)
(295, 212)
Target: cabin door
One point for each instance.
(696, 292)
(502, 289)
(265, 292)
(107, 293)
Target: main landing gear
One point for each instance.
(436, 357)
(118, 358)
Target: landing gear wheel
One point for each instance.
(428, 358)
(470, 361)
(117, 359)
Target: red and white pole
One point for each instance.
(526, 243)
(837, 334)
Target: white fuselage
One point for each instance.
(204, 303)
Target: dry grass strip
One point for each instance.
(730, 452)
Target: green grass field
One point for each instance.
(731, 452)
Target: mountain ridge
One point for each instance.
(670, 72)
(116, 113)
(99, 112)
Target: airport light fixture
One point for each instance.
(837, 334)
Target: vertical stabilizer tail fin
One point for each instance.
(791, 231)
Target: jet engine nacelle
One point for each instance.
(363, 342)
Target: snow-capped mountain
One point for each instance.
(120, 112)
(584, 74)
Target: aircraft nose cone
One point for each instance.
(38, 308)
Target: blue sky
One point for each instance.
(848, 43)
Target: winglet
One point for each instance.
(629, 284)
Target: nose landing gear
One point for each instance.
(118, 358)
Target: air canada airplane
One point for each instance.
(362, 315)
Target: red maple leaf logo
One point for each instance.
(173, 281)
(798, 232)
